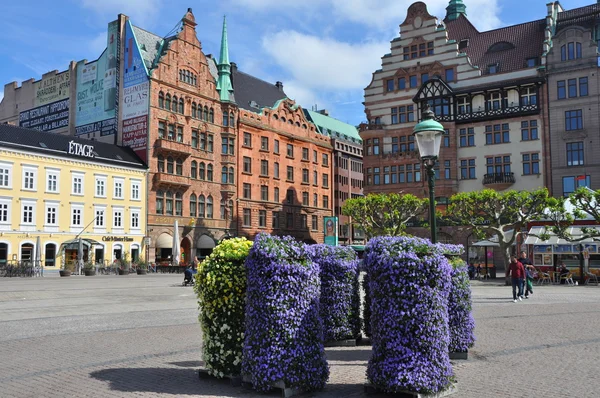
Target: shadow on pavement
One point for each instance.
(188, 364)
(350, 355)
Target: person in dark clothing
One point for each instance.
(471, 271)
(564, 271)
(517, 273)
(529, 270)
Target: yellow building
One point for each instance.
(56, 188)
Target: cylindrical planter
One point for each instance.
(89, 272)
(141, 271)
(64, 272)
(283, 344)
(409, 286)
(122, 272)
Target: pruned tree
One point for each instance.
(583, 205)
(490, 212)
(384, 214)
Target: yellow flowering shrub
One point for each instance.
(220, 285)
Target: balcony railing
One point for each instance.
(166, 145)
(172, 180)
(497, 113)
(499, 181)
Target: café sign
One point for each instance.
(117, 239)
(78, 149)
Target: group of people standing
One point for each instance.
(521, 271)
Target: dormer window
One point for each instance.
(531, 62)
(493, 68)
(463, 44)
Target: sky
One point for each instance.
(324, 51)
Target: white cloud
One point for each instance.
(303, 95)
(325, 63)
(141, 11)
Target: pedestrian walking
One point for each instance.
(529, 273)
(517, 273)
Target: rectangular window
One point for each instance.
(161, 129)
(264, 192)
(135, 191)
(447, 169)
(290, 151)
(575, 153)
(305, 176)
(262, 218)
(4, 212)
(304, 198)
(467, 137)
(99, 220)
(413, 81)
(246, 191)
(325, 159)
(446, 138)
(101, 187)
(50, 215)
(304, 153)
(27, 211)
(224, 145)
(303, 221)
(77, 185)
(406, 114)
(375, 146)
(315, 223)
(315, 178)
(290, 173)
(135, 220)
(76, 217)
(325, 201)
(211, 140)
(117, 219)
(528, 96)
(247, 165)
(289, 220)
(264, 143)
(276, 195)
(529, 130)
(390, 85)
(247, 140)
(531, 163)
(276, 170)
(275, 222)
(171, 132)
(531, 62)
(289, 196)
(573, 120)
(247, 218)
(194, 138)
(315, 200)
(264, 168)
(497, 164)
(570, 184)
(463, 105)
(449, 74)
(276, 146)
(583, 86)
(179, 134)
(467, 169)
(402, 83)
(572, 86)
(325, 180)
(315, 158)
(497, 134)
(118, 193)
(29, 179)
(203, 141)
(394, 115)
(561, 90)
(424, 77)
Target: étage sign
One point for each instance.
(75, 148)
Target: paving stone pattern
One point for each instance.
(138, 336)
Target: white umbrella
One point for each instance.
(175, 249)
(79, 256)
(38, 255)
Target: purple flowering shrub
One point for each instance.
(460, 317)
(409, 286)
(339, 291)
(366, 305)
(284, 333)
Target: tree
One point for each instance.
(583, 205)
(490, 212)
(384, 214)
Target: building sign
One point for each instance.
(97, 81)
(75, 148)
(117, 239)
(135, 102)
(46, 117)
(52, 88)
(331, 230)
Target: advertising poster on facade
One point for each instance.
(331, 230)
(51, 104)
(97, 90)
(135, 96)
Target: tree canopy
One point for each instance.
(584, 205)
(384, 214)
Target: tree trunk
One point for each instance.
(505, 249)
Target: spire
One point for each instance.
(454, 9)
(224, 81)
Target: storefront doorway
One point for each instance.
(3, 253)
(117, 252)
(50, 255)
(27, 252)
(99, 255)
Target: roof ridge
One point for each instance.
(252, 76)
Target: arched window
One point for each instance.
(225, 119)
(178, 204)
(231, 119)
(206, 113)
(180, 75)
(193, 205)
(161, 99)
(170, 165)
(168, 102)
(161, 164)
(209, 172)
(179, 167)
(224, 175)
(201, 173)
(169, 203)
(231, 175)
(181, 105)
(194, 110)
(194, 80)
(201, 206)
(223, 209)
(194, 171)
(160, 202)
(174, 105)
(209, 207)
(211, 115)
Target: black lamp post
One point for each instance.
(428, 134)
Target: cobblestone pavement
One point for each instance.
(138, 336)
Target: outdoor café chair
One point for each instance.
(568, 279)
(591, 278)
(544, 277)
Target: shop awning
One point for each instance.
(73, 244)
(575, 232)
(206, 242)
(164, 241)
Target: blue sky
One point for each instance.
(324, 51)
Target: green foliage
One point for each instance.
(585, 203)
(384, 214)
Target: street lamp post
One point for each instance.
(428, 134)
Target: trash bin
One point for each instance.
(492, 271)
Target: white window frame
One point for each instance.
(115, 211)
(5, 225)
(34, 171)
(51, 204)
(52, 172)
(136, 184)
(138, 213)
(80, 207)
(28, 226)
(8, 166)
(121, 181)
(99, 228)
(103, 180)
(75, 175)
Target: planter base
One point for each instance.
(371, 389)
(286, 392)
(89, 272)
(341, 343)
(235, 381)
(141, 271)
(64, 273)
(459, 355)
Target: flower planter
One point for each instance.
(123, 272)
(89, 272)
(64, 272)
(141, 271)
(459, 355)
(370, 389)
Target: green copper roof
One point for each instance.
(333, 127)
(428, 125)
(224, 80)
(454, 9)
